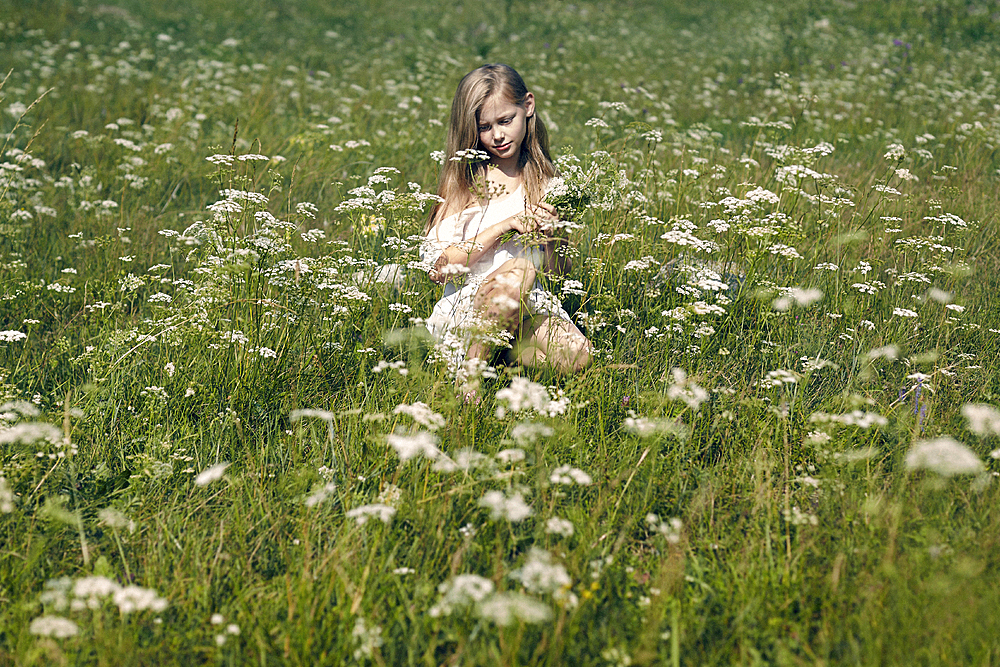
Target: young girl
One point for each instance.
(500, 302)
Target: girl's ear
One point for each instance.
(529, 105)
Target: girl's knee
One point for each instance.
(504, 305)
(572, 353)
(580, 356)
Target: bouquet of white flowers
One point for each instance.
(569, 197)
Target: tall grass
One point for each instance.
(227, 438)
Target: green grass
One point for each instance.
(157, 341)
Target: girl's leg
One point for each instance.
(500, 300)
(557, 342)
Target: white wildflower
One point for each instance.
(557, 526)
(895, 152)
(523, 395)
(669, 529)
(797, 296)
(570, 475)
(422, 414)
(30, 432)
(506, 608)
(890, 352)
(860, 418)
(512, 508)
(325, 415)
(797, 517)
(378, 511)
(368, 639)
(461, 591)
(53, 626)
(945, 456)
(509, 456)
(528, 432)
(685, 390)
(6, 497)
(984, 420)
(135, 598)
(541, 574)
(421, 443)
(320, 495)
(210, 474)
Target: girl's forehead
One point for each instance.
(496, 105)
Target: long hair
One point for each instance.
(460, 179)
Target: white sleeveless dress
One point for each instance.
(453, 316)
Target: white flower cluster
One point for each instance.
(645, 427)
(984, 420)
(53, 626)
(523, 395)
(540, 574)
(670, 529)
(231, 629)
(798, 297)
(422, 414)
(93, 592)
(570, 476)
(380, 511)
(561, 527)
(470, 155)
(210, 474)
(528, 432)
(512, 507)
(797, 517)
(685, 390)
(6, 497)
(778, 378)
(859, 418)
(421, 443)
(945, 456)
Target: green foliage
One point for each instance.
(226, 436)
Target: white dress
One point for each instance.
(453, 316)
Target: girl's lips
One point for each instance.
(502, 147)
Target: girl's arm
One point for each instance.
(470, 251)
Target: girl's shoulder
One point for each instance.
(454, 209)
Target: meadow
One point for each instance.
(226, 438)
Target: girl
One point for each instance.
(500, 303)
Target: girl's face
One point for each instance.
(502, 126)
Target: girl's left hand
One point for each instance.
(547, 217)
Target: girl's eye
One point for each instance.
(506, 121)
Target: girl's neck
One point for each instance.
(506, 179)
(508, 166)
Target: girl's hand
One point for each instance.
(541, 218)
(525, 223)
(546, 217)
(517, 223)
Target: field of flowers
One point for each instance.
(226, 438)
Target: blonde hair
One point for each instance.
(459, 178)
